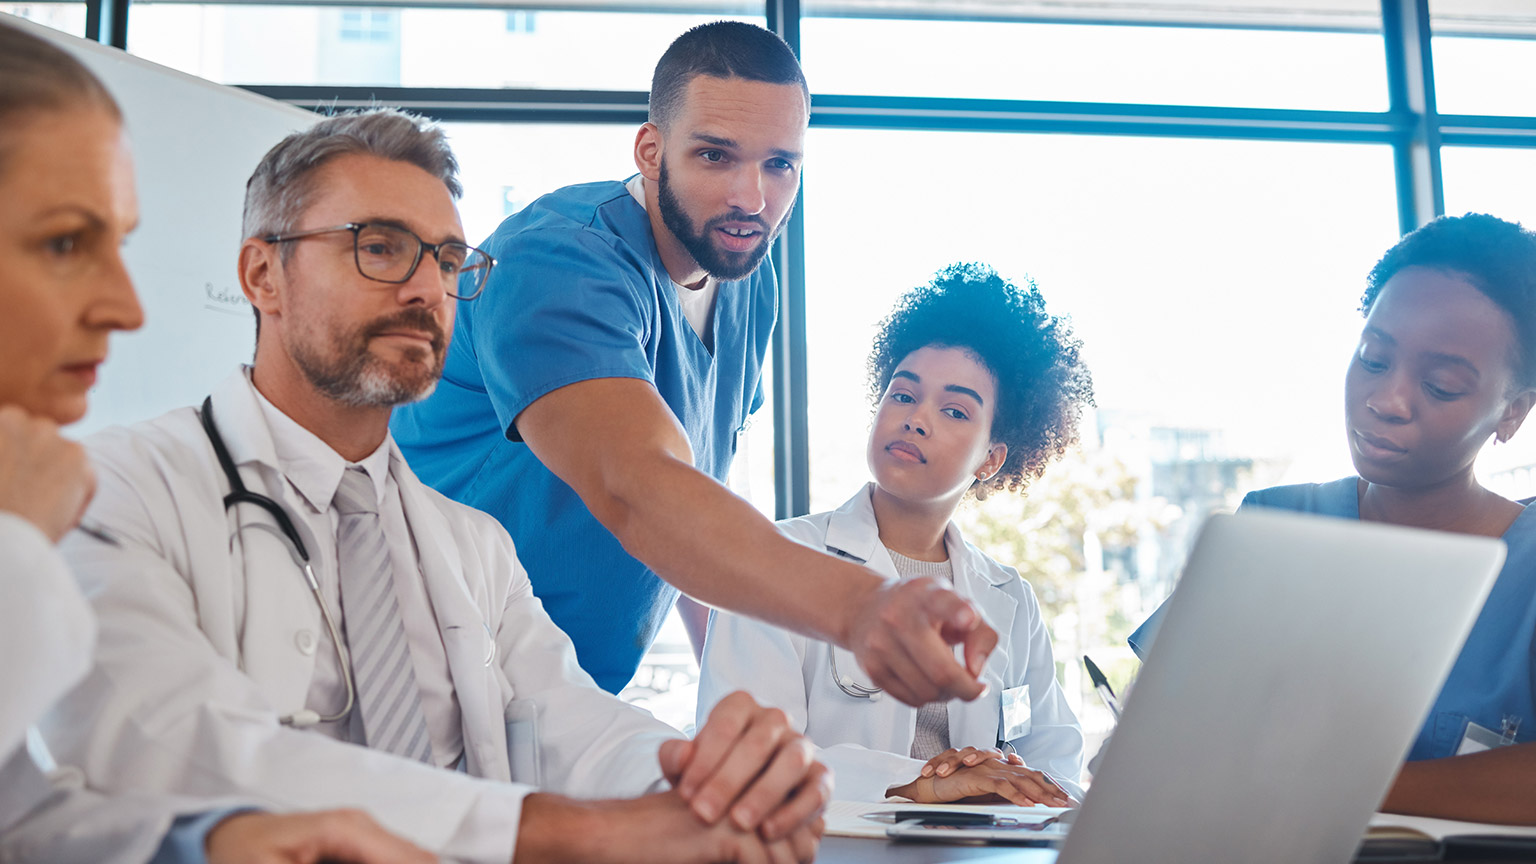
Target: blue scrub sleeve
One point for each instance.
(757, 397)
(186, 842)
(1141, 640)
(569, 306)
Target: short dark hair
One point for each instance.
(1042, 383)
(721, 49)
(38, 76)
(1496, 257)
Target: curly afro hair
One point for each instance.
(1042, 384)
(1498, 258)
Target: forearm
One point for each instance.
(659, 507)
(558, 829)
(1497, 786)
(624, 452)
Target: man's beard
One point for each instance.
(354, 376)
(723, 265)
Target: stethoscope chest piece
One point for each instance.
(846, 683)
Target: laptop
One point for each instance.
(1297, 660)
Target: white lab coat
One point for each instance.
(67, 823)
(46, 637)
(46, 631)
(209, 635)
(866, 741)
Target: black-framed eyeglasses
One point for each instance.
(389, 253)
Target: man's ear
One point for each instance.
(1514, 415)
(260, 275)
(648, 152)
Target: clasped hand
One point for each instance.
(748, 767)
(979, 776)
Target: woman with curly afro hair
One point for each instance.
(976, 390)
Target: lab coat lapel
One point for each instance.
(465, 633)
(980, 580)
(267, 589)
(853, 534)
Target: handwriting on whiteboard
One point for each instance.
(226, 299)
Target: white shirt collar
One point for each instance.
(636, 187)
(310, 464)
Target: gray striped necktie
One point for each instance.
(931, 734)
(387, 696)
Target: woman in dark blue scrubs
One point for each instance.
(1446, 361)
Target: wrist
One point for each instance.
(860, 597)
(554, 828)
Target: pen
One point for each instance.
(1101, 684)
(91, 529)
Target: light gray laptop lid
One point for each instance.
(1297, 661)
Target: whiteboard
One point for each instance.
(194, 145)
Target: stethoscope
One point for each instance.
(238, 494)
(846, 683)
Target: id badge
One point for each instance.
(523, 753)
(1016, 712)
(1479, 738)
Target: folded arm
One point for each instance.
(46, 630)
(1497, 786)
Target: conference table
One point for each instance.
(855, 850)
(867, 850)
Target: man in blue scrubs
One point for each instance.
(593, 395)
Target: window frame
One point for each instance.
(1411, 126)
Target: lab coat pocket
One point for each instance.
(1016, 714)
